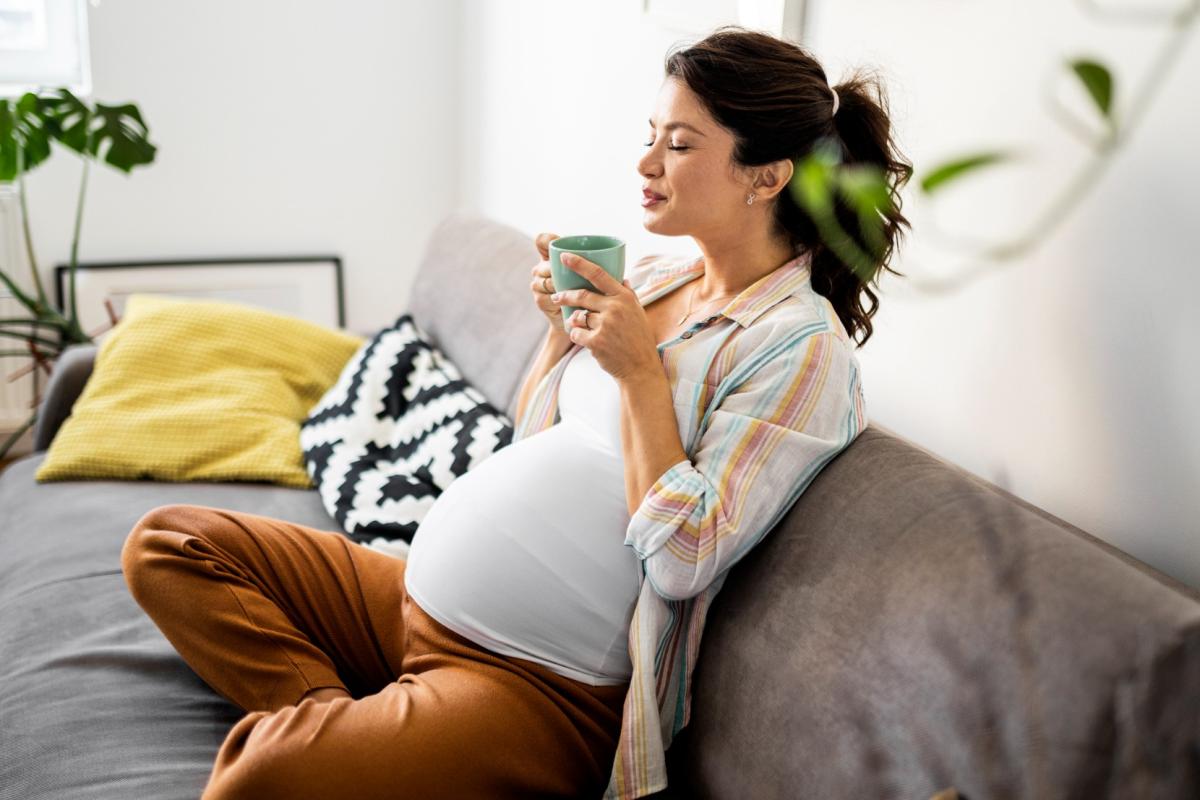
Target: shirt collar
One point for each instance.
(790, 278)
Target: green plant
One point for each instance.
(27, 128)
(820, 176)
(1104, 137)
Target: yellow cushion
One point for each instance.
(195, 390)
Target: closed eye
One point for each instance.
(669, 147)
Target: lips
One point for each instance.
(649, 195)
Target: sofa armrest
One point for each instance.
(72, 369)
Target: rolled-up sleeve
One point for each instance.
(764, 443)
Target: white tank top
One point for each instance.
(525, 554)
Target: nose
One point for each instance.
(646, 166)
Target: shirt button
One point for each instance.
(687, 335)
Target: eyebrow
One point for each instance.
(670, 126)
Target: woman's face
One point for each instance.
(703, 190)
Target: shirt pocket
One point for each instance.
(687, 393)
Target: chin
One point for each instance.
(654, 223)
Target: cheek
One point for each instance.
(699, 180)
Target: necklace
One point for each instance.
(692, 297)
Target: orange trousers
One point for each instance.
(265, 610)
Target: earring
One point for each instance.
(750, 199)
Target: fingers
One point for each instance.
(543, 241)
(597, 275)
(580, 298)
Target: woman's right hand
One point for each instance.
(542, 279)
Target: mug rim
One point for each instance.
(618, 243)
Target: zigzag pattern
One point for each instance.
(398, 426)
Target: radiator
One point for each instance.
(15, 396)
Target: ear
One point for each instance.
(774, 178)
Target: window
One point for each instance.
(44, 45)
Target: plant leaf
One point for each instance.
(35, 120)
(12, 440)
(33, 322)
(121, 126)
(952, 170)
(1098, 81)
(864, 187)
(811, 187)
(31, 303)
(813, 178)
(866, 191)
(21, 127)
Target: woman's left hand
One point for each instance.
(618, 332)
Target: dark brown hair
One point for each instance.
(773, 96)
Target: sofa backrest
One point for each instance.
(471, 297)
(909, 626)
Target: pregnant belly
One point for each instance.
(525, 555)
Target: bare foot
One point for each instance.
(324, 694)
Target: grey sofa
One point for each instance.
(907, 627)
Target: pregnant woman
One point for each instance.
(540, 638)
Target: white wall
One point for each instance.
(1068, 378)
(555, 101)
(284, 127)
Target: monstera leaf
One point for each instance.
(85, 130)
(24, 140)
(28, 126)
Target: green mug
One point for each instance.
(607, 251)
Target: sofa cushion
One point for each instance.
(397, 428)
(188, 390)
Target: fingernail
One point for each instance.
(556, 296)
(567, 258)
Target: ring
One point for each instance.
(585, 317)
(544, 289)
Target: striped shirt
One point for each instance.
(767, 391)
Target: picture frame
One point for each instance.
(308, 286)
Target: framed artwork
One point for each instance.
(783, 18)
(308, 287)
